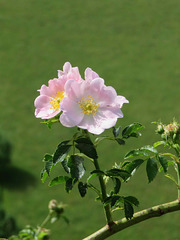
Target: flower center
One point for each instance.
(55, 100)
(88, 105)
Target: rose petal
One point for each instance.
(72, 114)
(90, 74)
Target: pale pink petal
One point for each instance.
(94, 88)
(75, 90)
(90, 74)
(102, 94)
(72, 114)
(42, 101)
(44, 90)
(89, 123)
(67, 67)
(107, 117)
(120, 100)
(46, 113)
(110, 112)
(70, 72)
(56, 85)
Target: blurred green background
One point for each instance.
(135, 47)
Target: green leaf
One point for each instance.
(131, 166)
(117, 173)
(137, 152)
(120, 141)
(151, 169)
(75, 163)
(131, 130)
(48, 166)
(99, 172)
(94, 174)
(156, 144)
(69, 184)
(84, 145)
(150, 149)
(117, 184)
(65, 165)
(61, 152)
(114, 200)
(43, 175)
(47, 157)
(82, 188)
(144, 151)
(116, 131)
(128, 210)
(132, 200)
(58, 180)
(163, 162)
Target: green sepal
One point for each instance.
(61, 152)
(151, 169)
(85, 145)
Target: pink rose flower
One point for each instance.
(48, 103)
(70, 72)
(91, 104)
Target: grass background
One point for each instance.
(135, 47)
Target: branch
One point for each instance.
(138, 217)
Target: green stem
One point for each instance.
(178, 178)
(104, 195)
(46, 220)
(138, 217)
(1, 194)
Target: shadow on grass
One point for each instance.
(14, 178)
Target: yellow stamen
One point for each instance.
(88, 105)
(55, 100)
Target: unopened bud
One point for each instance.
(171, 128)
(160, 128)
(52, 204)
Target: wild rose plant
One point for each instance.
(92, 107)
